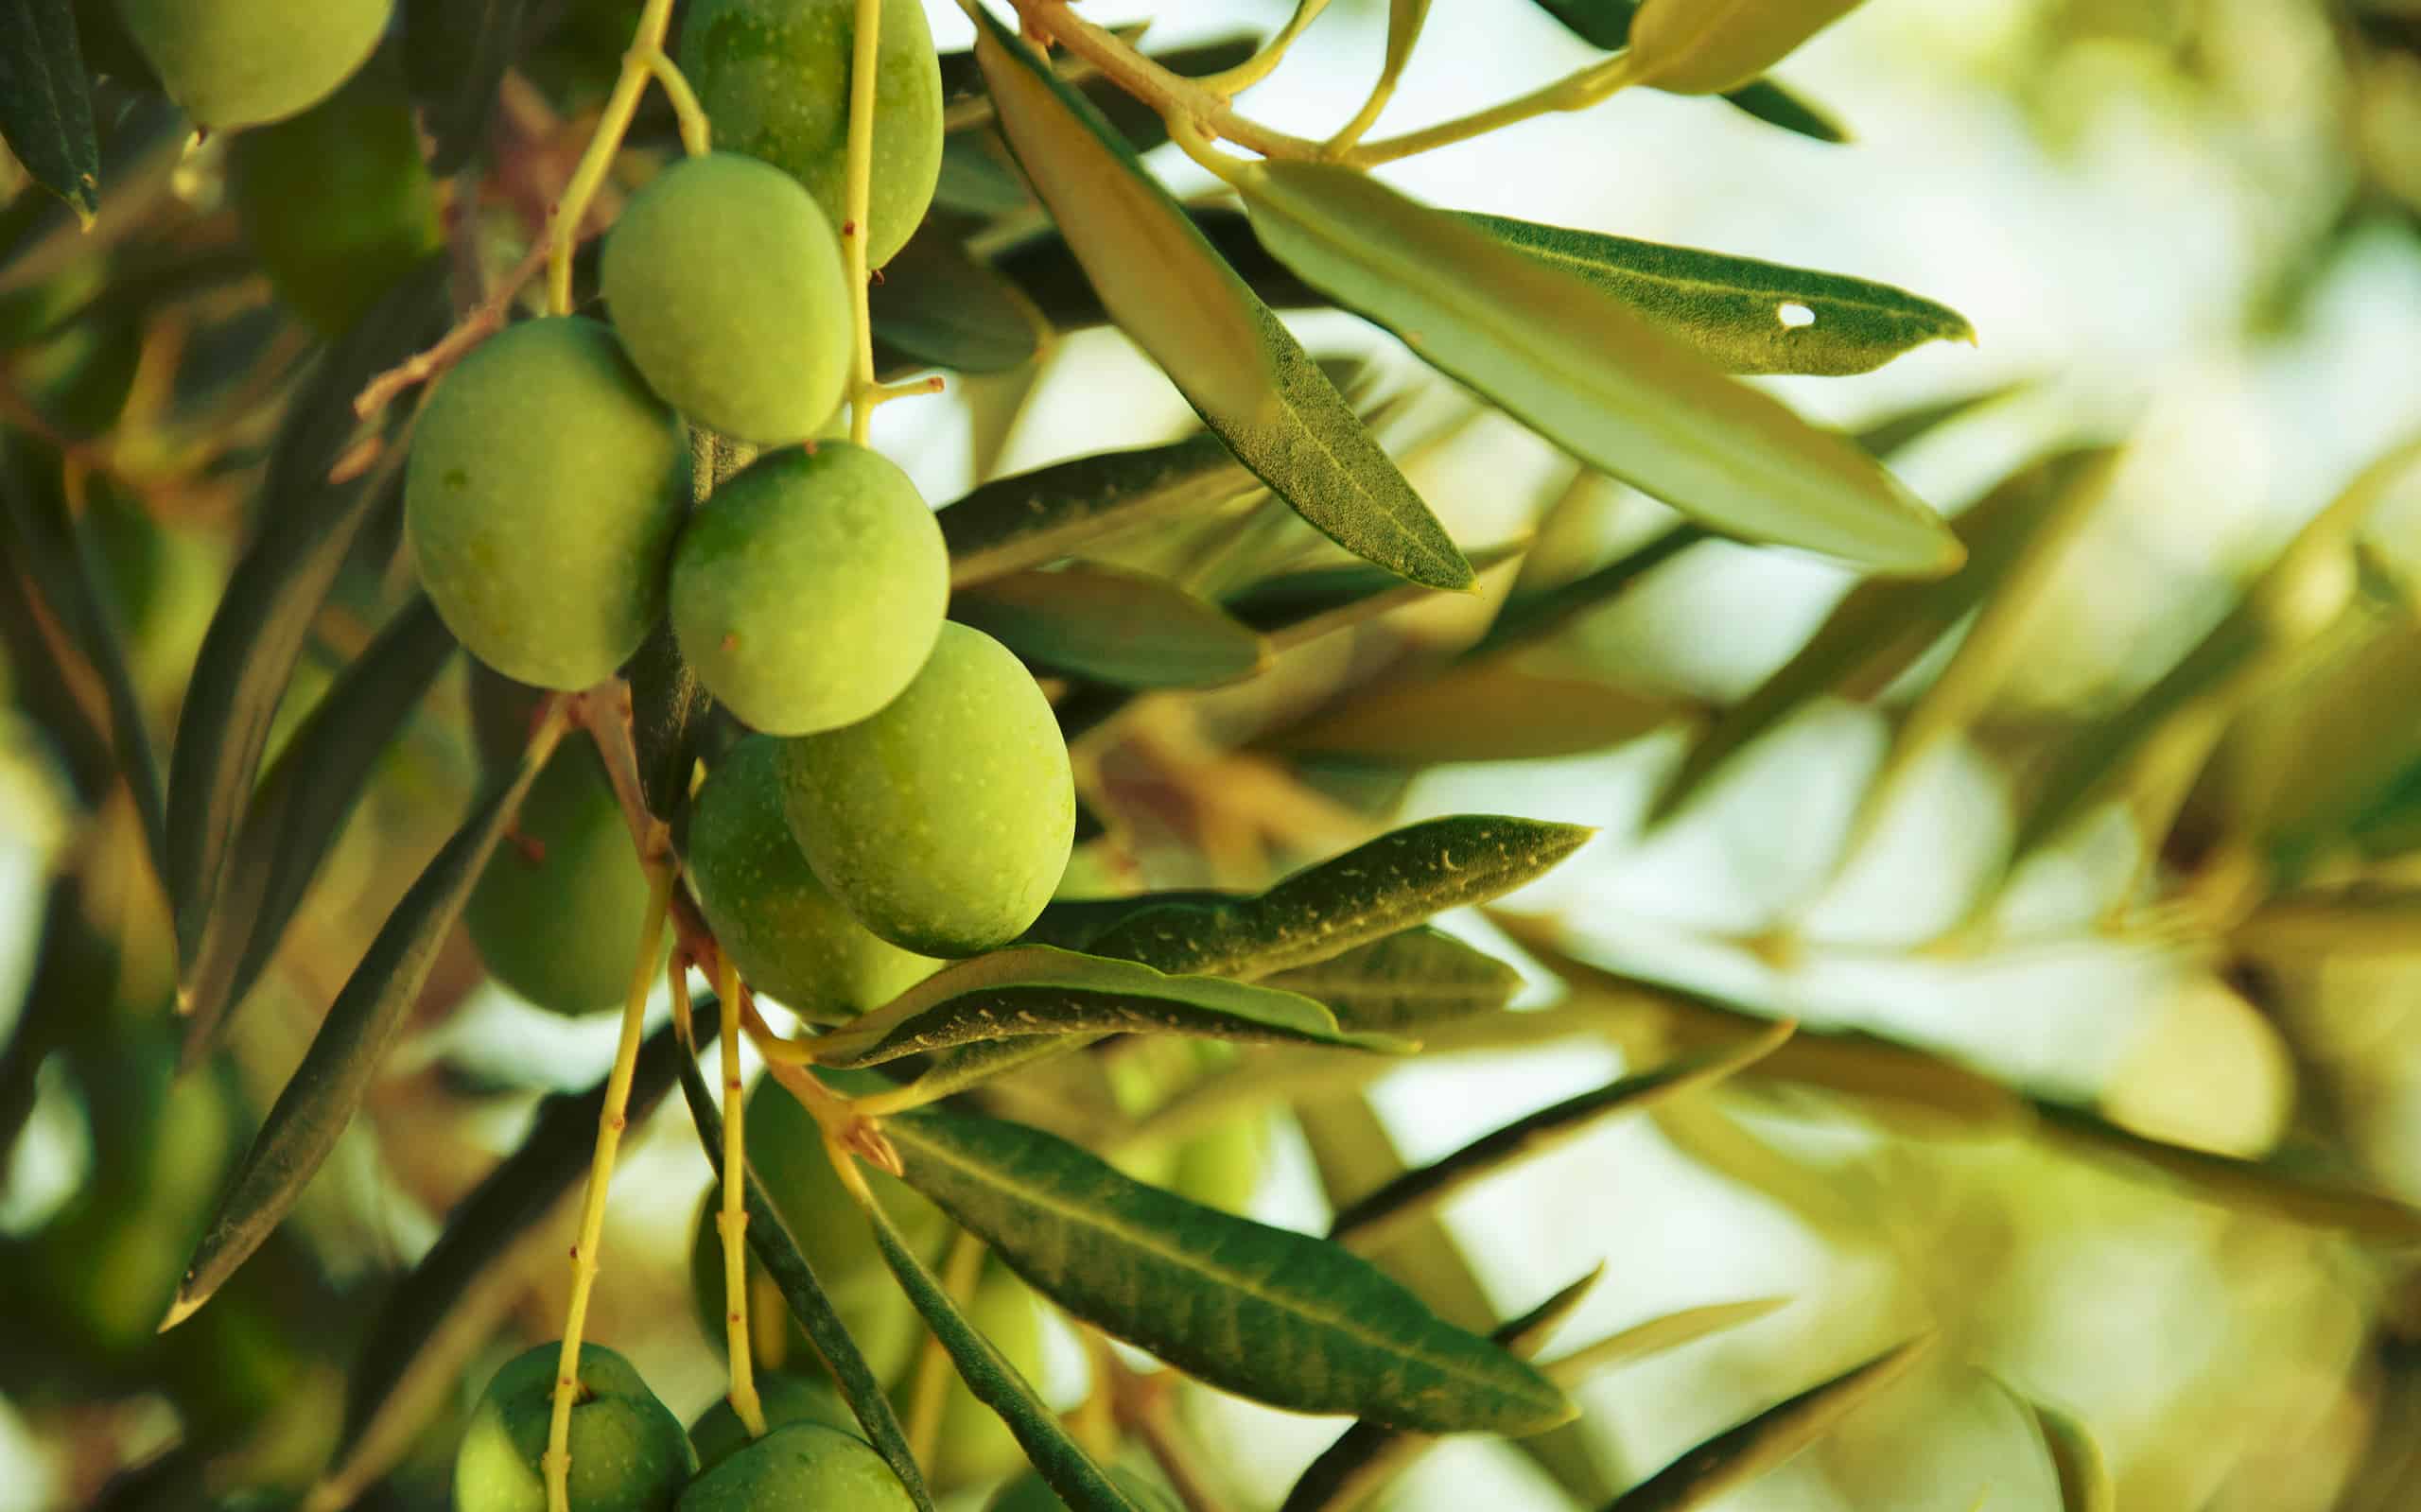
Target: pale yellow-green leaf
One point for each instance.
(1708, 47)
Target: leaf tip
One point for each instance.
(185, 1306)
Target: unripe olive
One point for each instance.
(242, 63)
(807, 592)
(542, 494)
(335, 201)
(1221, 1167)
(628, 1452)
(943, 822)
(774, 76)
(789, 937)
(805, 1467)
(725, 284)
(557, 913)
(786, 1398)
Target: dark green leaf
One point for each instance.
(1391, 883)
(670, 711)
(974, 182)
(1029, 519)
(307, 526)
(45, 105)
(1295, 607)
(1478, 711)
(1730, 309)
(1026, 991)
(1405, 982)
(938, 306)
(1740, 1454)
(1588, 375)
(1776, 106)
(455, 56)
(1384, 1212)
(997, 1384)
(1073, 924)
(1270, 1315)
(319, 1099)
(1109, 625)
(770, 1242)
(1244, 374)
(297, 812)
(428, 1329)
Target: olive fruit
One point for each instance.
(628, 1452)
(242, 63)
(557, 913)
(774, 76)
(335, 201)
(786, 1398)
(789, 937)
(542, 494)
(807, 592)
(725, 284)
(945, 821)
(974, 1445)
(1221, 1167)
(805, 1466)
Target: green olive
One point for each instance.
(725, 284)
(943, 822)
(807, 592)
(628, 1452)
(243, 62)
(557, 913)
(774, 76)
(790, 939)
(786, 1398)
(542, 494)
(805, 1467)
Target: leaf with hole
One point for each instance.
(1244, 374)
(1585, 371)
(1265, 1313)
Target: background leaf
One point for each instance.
(1403, 982)
(1031, 519)
(455, 54)
(1111, 625)
(45, 105)
(938, 306)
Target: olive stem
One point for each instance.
(858, 197)
(610, 1120)
(697, 132)
(732, 1223)
(571, 207)
(1230, 82)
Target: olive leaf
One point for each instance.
(1479, 711)
(1707, 46)
(249, 654)
(45, 105)
(1111, 625)
(2075, 1457)
(671, 713)
(427, 1328)
(1244, 374)
(1402, 983)
(297, 812)
(1533, 616)
(1741, 1453)
(1030, 990)
(1265, 1313)
(1385, 1212)
(318, 1100)
(1739, 313)
(1292, 608)
(1776, 106)
(938, 305)
(1587, 373)
(1655, 1336)
(1029, 519)
(770, 1242)
(456, 53)
(1606, 24)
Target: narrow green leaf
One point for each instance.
(1587, 373)
(1385, 1212)
(455, 56)
(1904, 428)
(998, 1384)
(1707, 46)
(298, 811)
(938, 306)
(1029, 519)
(1880, 629)
(2076, 1458)
(64, 575)
(2257, 1186)
(670, 714)
(770, 1242)
(1536, 615)
(1657, 1335)
(1111, 625)
(1479, 711)
(1244, 374)
(307, 526)
(1370, 1454)
(45, 105)
(1405, 982)
(1740, 314)
(1297, 607)
(1776, 106)
(1074, 924)
(1043, 266)
(439, 1316)
(1268, 1314)
(1607, 23)
(1025, 990)
(319, 1099)
(974, 180)
(1391, 883)
(1740, 1454)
